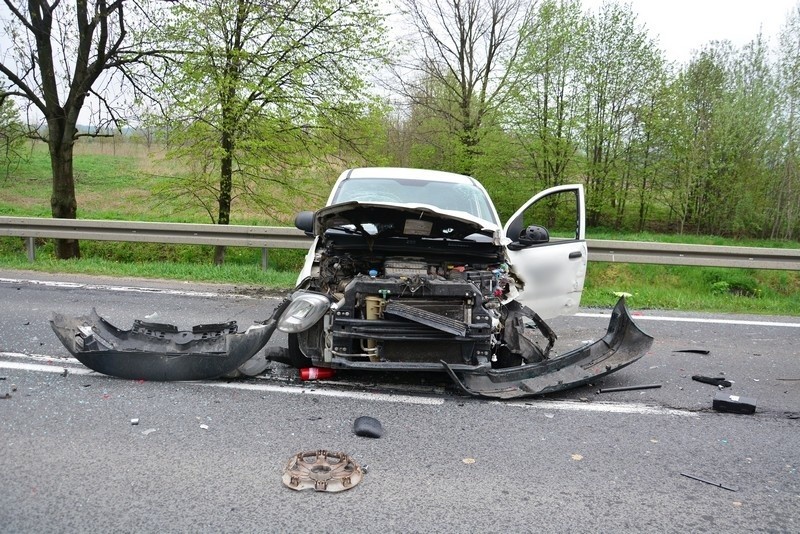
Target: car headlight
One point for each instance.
(303, 312)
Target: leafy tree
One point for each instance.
(464, 51)
(257, 81)
(544, 110)
(12, 136)
(785, 211)
(620, 67)
(62, 55)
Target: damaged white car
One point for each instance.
(410, 270)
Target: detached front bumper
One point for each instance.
(161, 352)
(623, 344)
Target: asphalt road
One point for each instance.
(209, 456)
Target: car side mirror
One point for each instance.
(305, 221)
(534, 235)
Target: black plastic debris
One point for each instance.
(694, 351)
(714, 381)
(629, 388)
(725, 402)
(367, 427)
(717, 484)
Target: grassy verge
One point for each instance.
(121, 181)
(694, 288)
(650, 286)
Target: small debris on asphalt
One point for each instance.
(6, 395)
(714, 381)
(204, 426)
(577, 457)
(316, 373)
(13, 387)
(717, 484)
(469, 461)
(65, 372)
(3, 377)
(322, 470)
(629, 388)
(694, 351)
(724, 402)
(135, 421)
(367, 427)
(148, 431)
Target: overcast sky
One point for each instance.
(681, 26)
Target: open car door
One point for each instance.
(548, 251)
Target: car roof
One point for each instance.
(406, 173)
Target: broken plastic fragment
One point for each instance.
(724, 402)
(316, 373)
(367, 427)
(714, 381)
(629, 388)
(717, 484)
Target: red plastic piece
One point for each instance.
(316, 373)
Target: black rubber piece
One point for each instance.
(714, 381)
(367, 427)
(725, 402)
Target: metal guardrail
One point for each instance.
(266, 237)
(698, 255)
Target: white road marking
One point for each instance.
(22, 366)
(127, 289)
(638, 318)
(359, 395)
(55, 366)
(606, 407)
(41, 358)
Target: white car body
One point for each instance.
(551, 275)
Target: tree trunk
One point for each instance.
(63, 203)
(225, 187)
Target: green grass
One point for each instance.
(694, 288)
(119, 182)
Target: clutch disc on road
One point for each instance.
(322, 470)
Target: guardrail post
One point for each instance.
(264, 258)
(30, 244)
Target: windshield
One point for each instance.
(442, 195)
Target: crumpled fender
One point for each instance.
(161, 352)
(623, 344)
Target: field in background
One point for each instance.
(121, 180)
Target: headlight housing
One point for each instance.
(304, 311)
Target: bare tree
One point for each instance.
(467, 47)
(61, 55)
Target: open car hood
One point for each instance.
(385, 219)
